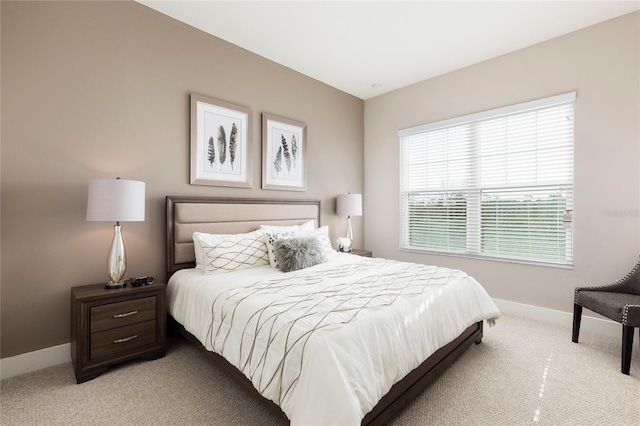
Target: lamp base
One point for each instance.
(112, 286)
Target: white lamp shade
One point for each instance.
(115, 200)
(349, 205)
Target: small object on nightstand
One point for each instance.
(110, 326)
(140, 281)
(363, 253)
(344, 245)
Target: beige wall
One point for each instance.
(93, 89)
(602, 64)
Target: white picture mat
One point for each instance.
(209, 117)
(284, 162)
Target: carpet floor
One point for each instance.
(523, 372)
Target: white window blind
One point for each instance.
(496, 184)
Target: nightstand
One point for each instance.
(112, 326)
(363, 253)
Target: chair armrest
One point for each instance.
(631, 315)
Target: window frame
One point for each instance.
(474, 192)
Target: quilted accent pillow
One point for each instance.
(197, 249)
(322, 234)
(231, 252)
(299, 253)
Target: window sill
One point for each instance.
(490, 258)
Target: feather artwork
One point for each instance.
(277, 163)
(294, 149)
(211, 152)
(285, 152)
(222, 145)
(233, 144)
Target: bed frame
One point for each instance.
(238, 215)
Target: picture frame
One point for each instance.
(220, 143)
(284, 153)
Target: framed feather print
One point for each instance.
(220, 143)
(284, 148)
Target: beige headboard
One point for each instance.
(185, 215)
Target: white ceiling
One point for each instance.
(367, 48)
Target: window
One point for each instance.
(496, 184)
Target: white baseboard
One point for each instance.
(55, 355)
(33, 361)
(595, 325)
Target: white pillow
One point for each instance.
(197, 249)
(321, 234)
(305, 227)
(213, 237)
(230, 252)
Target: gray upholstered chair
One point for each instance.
(619, 301)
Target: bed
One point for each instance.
(360, 299)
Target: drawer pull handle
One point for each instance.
(126, 314)
(126, 339)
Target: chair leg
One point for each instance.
(577, 316)
(627, 345)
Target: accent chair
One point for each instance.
(619, 301)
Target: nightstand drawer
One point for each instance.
(122, 338)
(112, 315)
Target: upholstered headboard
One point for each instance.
(185, 215)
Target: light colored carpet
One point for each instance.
(524, 372)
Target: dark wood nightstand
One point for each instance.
(363, 253)
(112, 326)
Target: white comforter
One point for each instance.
(327, 342)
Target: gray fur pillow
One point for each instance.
(298, 253)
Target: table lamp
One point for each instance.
(349, 205)
(116, 200)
